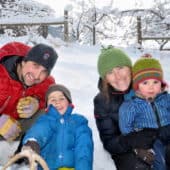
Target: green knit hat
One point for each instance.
(110, 58)
(146, 68)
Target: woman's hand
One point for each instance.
(141, 139)
(147, 155)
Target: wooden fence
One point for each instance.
(44, 25)
(141, 38)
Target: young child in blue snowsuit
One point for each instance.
(63, 139)
(150, 108)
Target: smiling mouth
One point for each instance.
(30, 77)
(151, 93)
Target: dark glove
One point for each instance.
(146, 155)
(164, 134)
(32, 145)
(167, 153)
(141, 139)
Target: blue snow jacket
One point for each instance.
(64, 140)
(139, 113)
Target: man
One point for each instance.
(24, 79)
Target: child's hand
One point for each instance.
(27, 106)
(32, 145)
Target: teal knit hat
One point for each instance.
(110, 58)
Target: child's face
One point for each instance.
(59, 101)
(119, 78)
(149, 88)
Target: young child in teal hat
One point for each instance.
(150, 108)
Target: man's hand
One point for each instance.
(9, 127)
(27, 106)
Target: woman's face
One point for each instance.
(119, 78)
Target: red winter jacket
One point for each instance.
(12, 90)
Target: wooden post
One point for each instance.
(44, 31)
(139, 30)
(94, 35)
(66, 26)
(94, 28)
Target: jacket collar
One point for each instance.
(52, 111)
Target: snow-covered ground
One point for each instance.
(76, 68)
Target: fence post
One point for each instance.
(94, 27)
(44, 31)
(66, 25)
(139, 31)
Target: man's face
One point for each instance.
(32, 73)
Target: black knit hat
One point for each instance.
(58, 87)
(43, 55)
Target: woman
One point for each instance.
(114, 68)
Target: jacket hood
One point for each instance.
(14, 49)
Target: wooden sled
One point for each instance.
(32, 157)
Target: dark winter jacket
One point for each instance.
(106, 115)
(64, 140)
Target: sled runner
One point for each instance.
(32, 157)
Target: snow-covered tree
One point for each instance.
(23, 10)
(91, 24)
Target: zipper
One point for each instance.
(156, 113)
(62, 124)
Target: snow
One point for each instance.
(76, 68)
(27, 20)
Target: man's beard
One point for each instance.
(23, 82)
